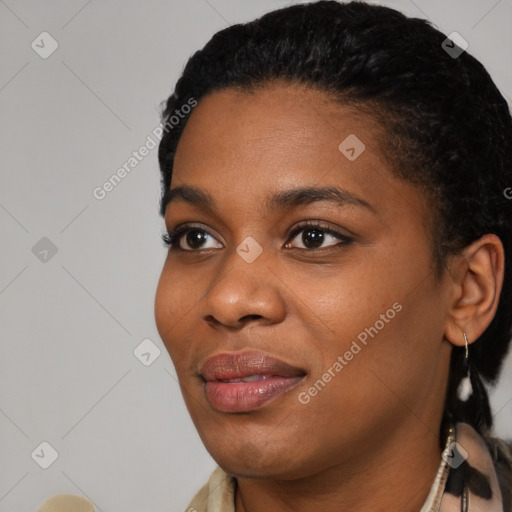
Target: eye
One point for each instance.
(314, 235)
(192, 236)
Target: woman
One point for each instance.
(338, 282)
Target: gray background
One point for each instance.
(70, 323)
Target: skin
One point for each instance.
(375, 425)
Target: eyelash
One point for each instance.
(172, 238)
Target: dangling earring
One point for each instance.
(465, 389)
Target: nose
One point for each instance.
(242, 293)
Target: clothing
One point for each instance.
(474, 472)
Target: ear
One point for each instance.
(477, 278)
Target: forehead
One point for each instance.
(243, 147)
(277, 114)
(281, 131)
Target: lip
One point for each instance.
(269, 378)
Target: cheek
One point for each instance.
(393, 356)
(369, 372)
(376, 317)
(173, 302)
(337, 302)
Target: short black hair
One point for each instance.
(446, 126)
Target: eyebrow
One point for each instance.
(284, 200)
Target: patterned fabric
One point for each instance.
(474, 475)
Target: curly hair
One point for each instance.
(446, 129)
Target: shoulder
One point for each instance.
(501, 453)
(486, 470)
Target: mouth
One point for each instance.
(245, 381)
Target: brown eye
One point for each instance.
(314, 236)
(188, 239)
(194, 238)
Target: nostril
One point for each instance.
(210, 319)
(250, 317)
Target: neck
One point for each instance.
(395, 474)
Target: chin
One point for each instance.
(248, 460)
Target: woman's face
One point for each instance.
(348, 305)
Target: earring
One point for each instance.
(465, 389)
